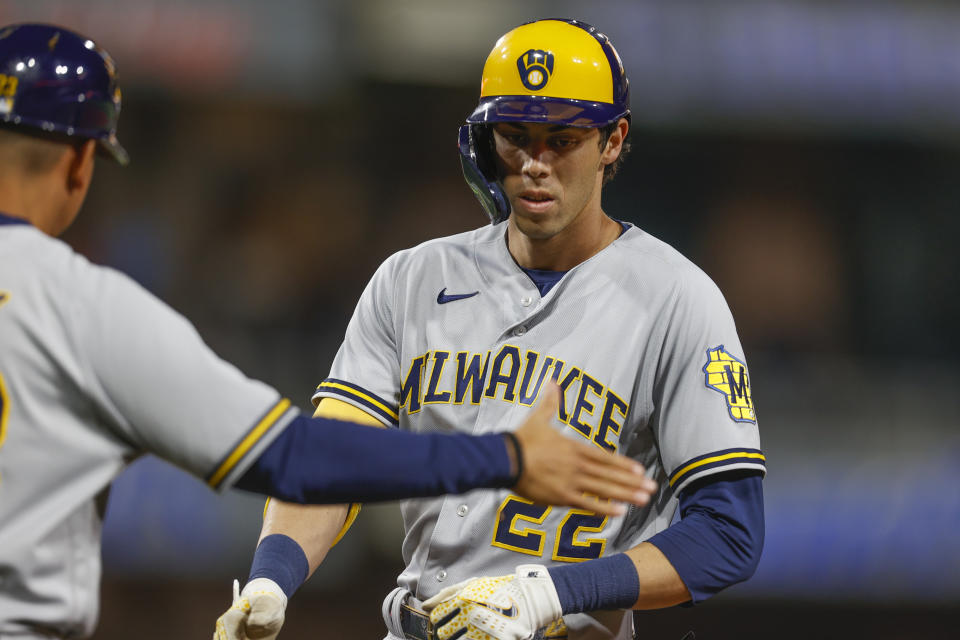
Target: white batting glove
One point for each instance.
(256, 614)
(501, 608)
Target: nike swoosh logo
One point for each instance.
(507, 613)
(443, 298)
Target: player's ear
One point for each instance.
(615, 142)
(80, 165)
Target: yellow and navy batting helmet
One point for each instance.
(554, 71)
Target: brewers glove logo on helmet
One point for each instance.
(535, 67)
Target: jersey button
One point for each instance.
(519, 331)
(441, 576)
(526, 301)
(462, 510)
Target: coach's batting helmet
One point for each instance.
(554, 71)
(56, 81)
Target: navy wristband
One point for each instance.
(604, 583)
(281, 559)
(517, 457)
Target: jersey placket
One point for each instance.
(520, 305)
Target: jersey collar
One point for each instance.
(5, 219)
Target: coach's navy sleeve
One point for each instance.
(324, 461)
(719, 538)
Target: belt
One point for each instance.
(416, 625)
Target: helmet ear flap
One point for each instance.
(479, 169)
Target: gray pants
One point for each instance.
(391, 611)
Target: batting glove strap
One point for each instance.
(264, 587)
(538, 592)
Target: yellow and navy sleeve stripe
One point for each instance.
(712, 462)
(389, 412)
(260, 429)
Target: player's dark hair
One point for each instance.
(611, 169)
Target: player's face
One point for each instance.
(551, 174)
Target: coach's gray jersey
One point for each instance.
(94, 370)
(453, 335)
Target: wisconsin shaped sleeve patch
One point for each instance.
(728, 375)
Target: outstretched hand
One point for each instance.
(560, 470)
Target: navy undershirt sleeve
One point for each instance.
(325, 461)
(717, 543)
(718, 540)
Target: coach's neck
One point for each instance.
(44, 182)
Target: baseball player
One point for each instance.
(94, 370)
(463, 331)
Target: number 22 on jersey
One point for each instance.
(515, 530)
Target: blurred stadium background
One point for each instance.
(806, 154)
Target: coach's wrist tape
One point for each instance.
(517, 456)
(605, 583)
(281, 559)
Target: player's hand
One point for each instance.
(504, 608)
(559, 470)
(256, 614)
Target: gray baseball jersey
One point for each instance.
(93, 371)
(453, 335)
